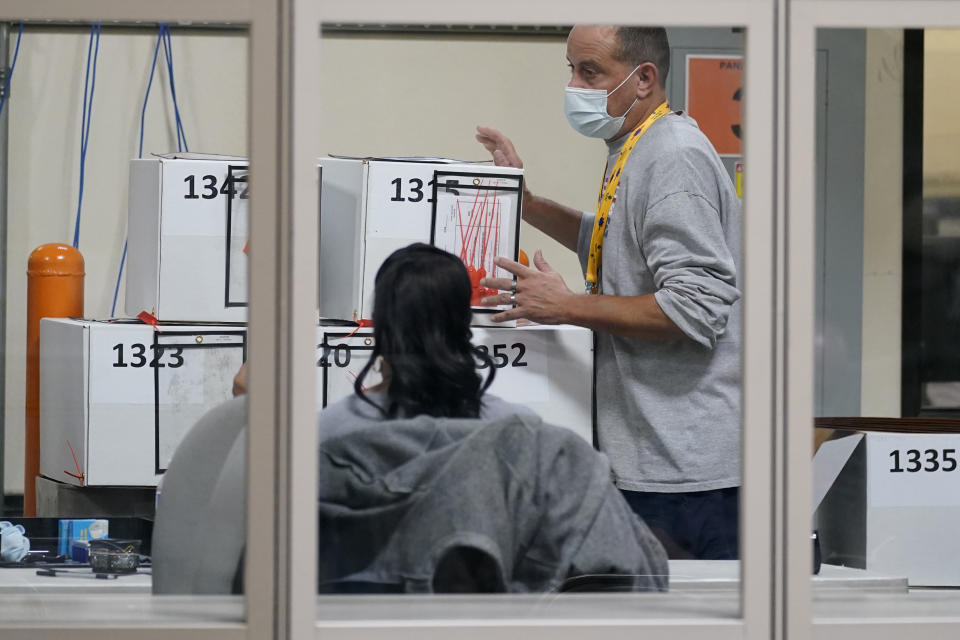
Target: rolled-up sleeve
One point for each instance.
(693, 270)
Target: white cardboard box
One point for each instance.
(117, 398)
(188, 220)
(895, 506)
(546, 368)
(371, 207)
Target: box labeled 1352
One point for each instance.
(548, 369)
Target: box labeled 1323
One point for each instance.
(370, 207)
(188, 220)
(116, 398)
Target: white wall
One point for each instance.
(45, 117)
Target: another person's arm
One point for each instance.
(545, 298)
(240, 381)
(557, 221)
(694, 273)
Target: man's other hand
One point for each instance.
(500, 147)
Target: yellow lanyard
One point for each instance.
(608, 191)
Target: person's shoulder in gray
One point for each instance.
(676, 156)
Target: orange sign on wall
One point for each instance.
(714, 92)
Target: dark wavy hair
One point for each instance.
(421, 327)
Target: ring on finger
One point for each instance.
(513, 299)
(513, 285)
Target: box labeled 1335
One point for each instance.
(894, 506)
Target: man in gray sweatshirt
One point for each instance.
(661, 257)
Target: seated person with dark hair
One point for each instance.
(427, 483)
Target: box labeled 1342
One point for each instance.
(188, 220)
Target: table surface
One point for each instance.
(77, 581)
(685, 575)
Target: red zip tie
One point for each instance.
(496, 243)
(147, 318)
(79, 474)
(463, 235)
(364, 322)
(466, 236)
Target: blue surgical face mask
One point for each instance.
(14, 546)
(586, 111)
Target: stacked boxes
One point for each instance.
(118, 396)
(370, 207)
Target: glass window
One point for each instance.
(411, 503)
(125, 216)
(885, 265)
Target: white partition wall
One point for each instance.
(675, 617)
(932, 614)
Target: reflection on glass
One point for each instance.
(421, 488)
(887, 263)
(121, 226)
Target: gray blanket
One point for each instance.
(430, 504)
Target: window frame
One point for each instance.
(280, 599)
(805, 17)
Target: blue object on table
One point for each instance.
(80, 551)
(80, 529)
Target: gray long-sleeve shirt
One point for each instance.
(668, 412)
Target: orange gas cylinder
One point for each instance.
(523, 259)
(54, 290)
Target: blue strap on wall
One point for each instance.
(90, 82)
(6, 83)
